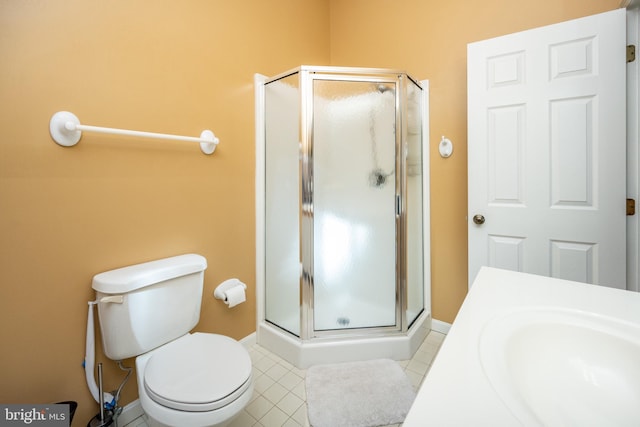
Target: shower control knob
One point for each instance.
(478, 219)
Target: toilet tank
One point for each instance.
(143, 306)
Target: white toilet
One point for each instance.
(184, 379)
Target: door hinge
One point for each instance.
(631, 53)
(631, 207)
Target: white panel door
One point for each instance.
(546, 151)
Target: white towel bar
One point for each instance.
(66, 130)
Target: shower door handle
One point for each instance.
(398, 206)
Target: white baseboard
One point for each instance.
(130, 412)
(249, 340)
(440, 326)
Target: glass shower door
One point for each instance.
(414, 203)
(282, 203)
(355, 190)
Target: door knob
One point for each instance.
(478, 219)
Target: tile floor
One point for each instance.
(279, 398)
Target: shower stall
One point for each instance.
(342, 214)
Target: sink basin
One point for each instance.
(562, 367)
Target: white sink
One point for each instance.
(563, 367)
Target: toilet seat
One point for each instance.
(198, 372)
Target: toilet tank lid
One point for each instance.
(137, 276)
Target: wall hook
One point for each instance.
(445, 147)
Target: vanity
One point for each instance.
(536, 351)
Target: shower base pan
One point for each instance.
(304, 354)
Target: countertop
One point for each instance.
(456, 391)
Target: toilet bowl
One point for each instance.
(208, 390)
(184, 379)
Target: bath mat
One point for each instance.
(358, 394)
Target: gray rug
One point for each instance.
(358, 394)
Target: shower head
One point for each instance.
(377, 178)
(382, 88)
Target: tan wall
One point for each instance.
(429, 39)
(69, 213)
(181, 67)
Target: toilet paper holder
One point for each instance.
(223, 287)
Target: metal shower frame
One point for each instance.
(400, 79)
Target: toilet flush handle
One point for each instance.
(116, 299)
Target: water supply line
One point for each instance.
(118, 409)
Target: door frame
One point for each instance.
(633, 152)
